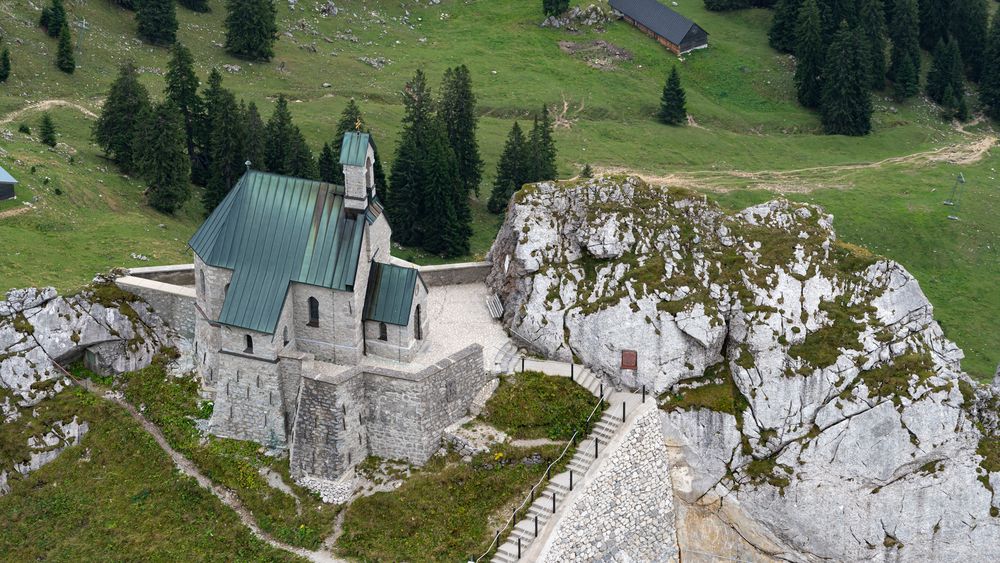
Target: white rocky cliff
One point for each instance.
(810, 401)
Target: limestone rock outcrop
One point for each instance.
(803, 381)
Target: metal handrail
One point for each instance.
(545, 476)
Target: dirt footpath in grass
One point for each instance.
(45, 105)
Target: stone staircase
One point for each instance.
(539, 514)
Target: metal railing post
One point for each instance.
(571, 479)
(572, 371)
(602, 390)
(595, 447)
(518, 548)
(623, 411)
(553, 502)
(644, 394)
(522, 364)
(536, 525)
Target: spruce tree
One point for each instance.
(256, 137)
(458, 111)
(542, 149)
(935, 20)
(781, 36)
(904, 69)
(846, 107)
(511, 171)
(211, 97)
(831, 13)
(350, 120)
(53, 18)
(182, 90)
(989, 82)
(809, 55)
(195, 5)
(164, 162)
(280, 133)
(587, 171)
(946, 79)
(300, 162)
(126, 4)
(969, 26)
(445, 231)
(327, 164)
(673, 100)
(47, 130)
(64, 53)
(554, 7)
(116, 130)
(408, 180)
(157, 21)
(873, 32)
(251, 29)
(228, 151)
(4, 65)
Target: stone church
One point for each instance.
(307, 329)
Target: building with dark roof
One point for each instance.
(672, 30)
(7, 183)
(305, 324)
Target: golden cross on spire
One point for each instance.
(357, 125)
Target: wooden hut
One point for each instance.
(672, 30)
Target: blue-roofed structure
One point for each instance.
(7, 183)
(390, 293)
(354, 148)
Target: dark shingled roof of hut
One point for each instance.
(271, 230)
(660, 19)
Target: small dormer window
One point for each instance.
(383, 331)
(313, 312)
(249, 348)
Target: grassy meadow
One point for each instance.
(739, 91)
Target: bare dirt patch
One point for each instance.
(597, 54)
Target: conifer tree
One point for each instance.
(4, 65)
(126, 4)
(227, 151)
(935, 20)
(47, 130)
(831, 13)
(350, 120)
(195, 5)
(327, 164)
(587, 171)
(809, 55)
(211, 97)
(300, 162)
(554, 7)
(446, 226)
(182, 90)
(251, 29)
(277, 145)
(969, 26)
(673, 100)
(781, 36)
(256, 136)
(989, 82)
(872, 27)
(64, 53)
(542, 150)
(846, 106)
(511, 170)
(116, 130)
(164, 162)
(53, 18)
(946, 79)
(904, 69)
(157, 21)
(458, 112)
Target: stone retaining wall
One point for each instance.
(452, 274)
(626, 511)
(175, 304)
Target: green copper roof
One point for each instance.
(354, 148)
(390, 293)
(272, 230)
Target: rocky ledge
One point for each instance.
(803, 382)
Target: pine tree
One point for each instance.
(195, 5)
(164, 162)
(279, 138)
(157, 21)
(554, 7)
(673, 100)
(935, 20)
(831, 13)
(327, 164)
(904, 69)
(872, 27)
(458, 111)
(542, 150)
(846, 106)
(4, 65)
(300, 162)
(989, 82)
(211, 97)
(251, 29)
(182, 90)
(53, 18)
(126, 4)
(946, 79)
(256, 136)
(47, 130)
(64, 53)
(809, 55)
(969, 25)
(510, 170)
(587, 171)
(227, 151)
(116, 130)
(781, 36)
(350, 120)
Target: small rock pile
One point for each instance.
(577, 17)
